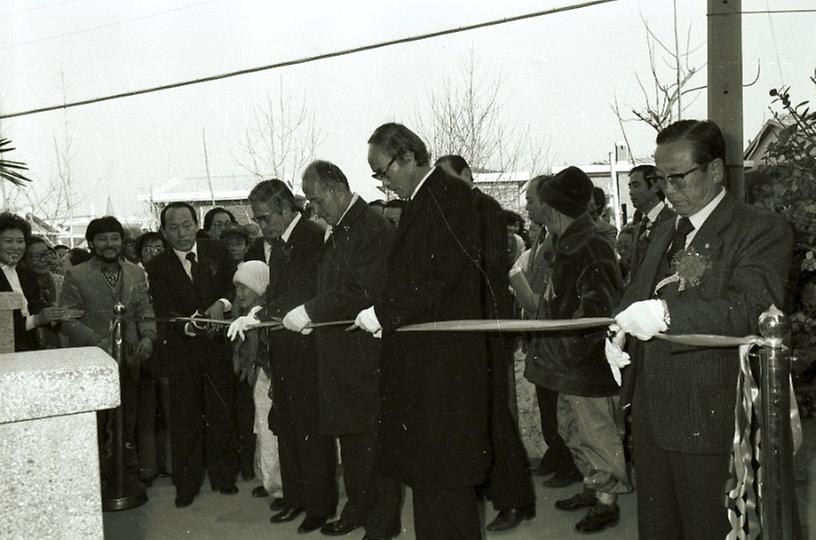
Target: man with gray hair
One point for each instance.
(351, 274)
(307, 457)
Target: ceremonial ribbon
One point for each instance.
(741, 495)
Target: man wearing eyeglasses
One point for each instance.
(433, 387)
(307, 456)
(682, 398)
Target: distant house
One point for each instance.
(230, 192)
(507, 187)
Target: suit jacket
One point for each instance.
(174, 294)
(433, 429)
(641, 238)
(350, 276)
(689, 392)
(256, 251)
(24, 340)
(86, 288)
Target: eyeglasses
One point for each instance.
(678, 181)
(379, 175)
(263, 218)
(44, 256)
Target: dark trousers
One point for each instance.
(446, 514)
(373, 500)
(509, 483)
(154, 436)
(245, 420)
(679, 496)
(308, 458)
(557, 455)
(201, 404)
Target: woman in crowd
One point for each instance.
(39, 258)
(15, 233)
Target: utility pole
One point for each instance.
(725, 84)
(207, 167)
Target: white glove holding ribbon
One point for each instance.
(297, 320)
(243, 323)
(367, 320)
(643, 319)
(615, 357)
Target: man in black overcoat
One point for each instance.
(307, 457)
(509, 484)
(195, 277)
(351, 274)
(434, 386)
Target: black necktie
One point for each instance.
(193, 265)
(684, 227)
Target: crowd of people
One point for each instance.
(313, 297)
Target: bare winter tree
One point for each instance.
(56, 200)
(281, 140)
(468, 118)
(670, 71)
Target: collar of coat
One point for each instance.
(576, 235)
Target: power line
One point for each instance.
(101, 26)
(22, 11)
(307, 59)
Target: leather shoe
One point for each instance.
(576, 502)
(287, 514)
(338, 528)
(260, 491)
(182, 501)
(510, 519)
(311, 523)
(277, 504)
(231, 489)
(562, 480)
(599, 518)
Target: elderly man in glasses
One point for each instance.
(711, 270)
(433, 387)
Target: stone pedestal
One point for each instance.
(9, 301)
(49, 459)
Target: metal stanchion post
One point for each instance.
(121, 492)
(777, 497)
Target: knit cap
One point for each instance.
(568, 191)
(253, 274)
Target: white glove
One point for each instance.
(243, 323)
(520, 264)
(643, 319)
(297, 320)
(615, 357)
(367, 320)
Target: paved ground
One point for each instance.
(221, 517)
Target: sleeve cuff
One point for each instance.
(30, 324)
(227, 304)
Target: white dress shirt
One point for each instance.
(698, 218)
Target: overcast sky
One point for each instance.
(560, 73)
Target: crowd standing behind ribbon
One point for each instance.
(432, 411)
